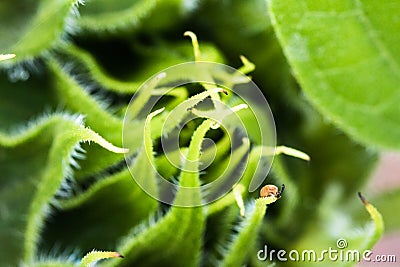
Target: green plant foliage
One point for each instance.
(108, 16)
(334, 47)
(243, 245)
(66, 185)
(36, 28)
(134, 78)
(94, 256)
(31, 190)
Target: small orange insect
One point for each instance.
(271, 190)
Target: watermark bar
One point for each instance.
(337, 254)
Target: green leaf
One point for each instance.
(99, 209)
(94, 256)
(243, 244)
(219, 226)
(47, 148)
(281, 176)
(130, 209)
(127, 78)
(102, 16)
(250, 168)
(345, 55)
(230, 169)
(29, 30)
(183, 225)
(150, 16)
(145, 173)
(298, 125)
(71, 94)
(95, 74)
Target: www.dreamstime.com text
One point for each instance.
(338, 254)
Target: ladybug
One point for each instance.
(271, 190)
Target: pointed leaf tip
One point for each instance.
(195, 43)
(94, 256)
(362, 198)
(6, 56)
(375, 216)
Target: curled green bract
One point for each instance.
(35, 28)
(93, 256)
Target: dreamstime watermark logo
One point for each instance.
(340, 253)
(230, 99)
